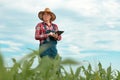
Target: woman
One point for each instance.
(45, 33)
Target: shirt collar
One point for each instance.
(47, 24)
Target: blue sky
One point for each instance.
(92, 29)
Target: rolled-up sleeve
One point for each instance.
(39, 33)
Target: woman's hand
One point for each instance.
(55, 36)
(50, 34)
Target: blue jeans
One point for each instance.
(50, 50)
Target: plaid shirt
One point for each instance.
(40, 32)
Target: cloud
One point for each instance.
(10, 43)
(78, 56)
(95, 22)
(11, 46)
(92, 8)
(8, 59)
(111, 8)
(30, 6)
(80, 36)
(83, 7)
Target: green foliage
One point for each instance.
(52, 69)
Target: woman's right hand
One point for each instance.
(51, 34)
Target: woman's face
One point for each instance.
(46, 17)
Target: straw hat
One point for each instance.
(40, 14)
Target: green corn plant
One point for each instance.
(109, 73)
(2, 69)
(118, 75)
(53, 69)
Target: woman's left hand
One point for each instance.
(55, 36)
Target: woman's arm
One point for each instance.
(40, 33)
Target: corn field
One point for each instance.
(52, 69)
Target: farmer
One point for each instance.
(45, 33)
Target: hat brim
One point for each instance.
(40, 15)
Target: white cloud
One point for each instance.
(78, 56)
(10, 43)
(12, 46)
(74, 49)
(111, 8)
(30, 5)
(83, 34)
(2, 27)
(26, 36)
(8, 32)
(84, 7)
(12, 49)
(9, 62)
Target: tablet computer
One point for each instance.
(59, 32)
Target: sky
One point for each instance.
(92, 29)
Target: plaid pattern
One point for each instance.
(40, 31)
